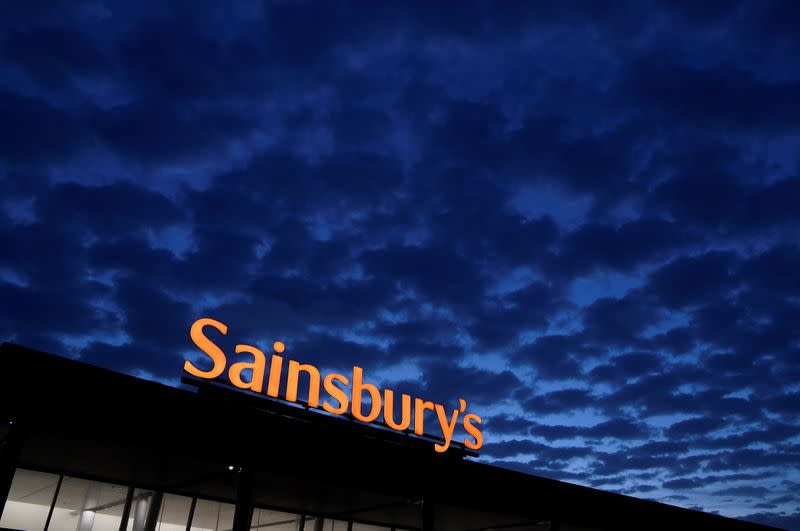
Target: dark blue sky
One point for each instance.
(580, 216)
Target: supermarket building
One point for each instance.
(87, 449)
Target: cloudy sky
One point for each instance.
(583, 219)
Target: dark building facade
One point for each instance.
(86, 449)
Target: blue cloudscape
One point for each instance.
(581, 217)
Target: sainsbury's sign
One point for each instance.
(345, 394)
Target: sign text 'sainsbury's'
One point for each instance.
(335, 385)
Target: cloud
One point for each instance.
(430, 197)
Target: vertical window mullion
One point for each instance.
(191, 514)
(53, 504)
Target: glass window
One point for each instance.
(29, 500)
(212, 516)
(84, 505)
(335, 525)
(367, 527)
(266, 520)
(139, 505)
(173, 513)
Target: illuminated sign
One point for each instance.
(336, 386)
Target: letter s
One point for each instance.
(336, 393)
(207, 346)
(474, 431)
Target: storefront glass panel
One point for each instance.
(334, 525)
(174, 513)
(29, 500)
(266, 520)
(366, 527)
(212, 516)
(84, 505)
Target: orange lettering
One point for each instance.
(448, 428)
(335, 385)
(472, 430)
(293, 379)
(258, 365)
(336, 393)
(388, 410)
(358, 388)
(420, 406)
(207, 346)
(275, 366)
